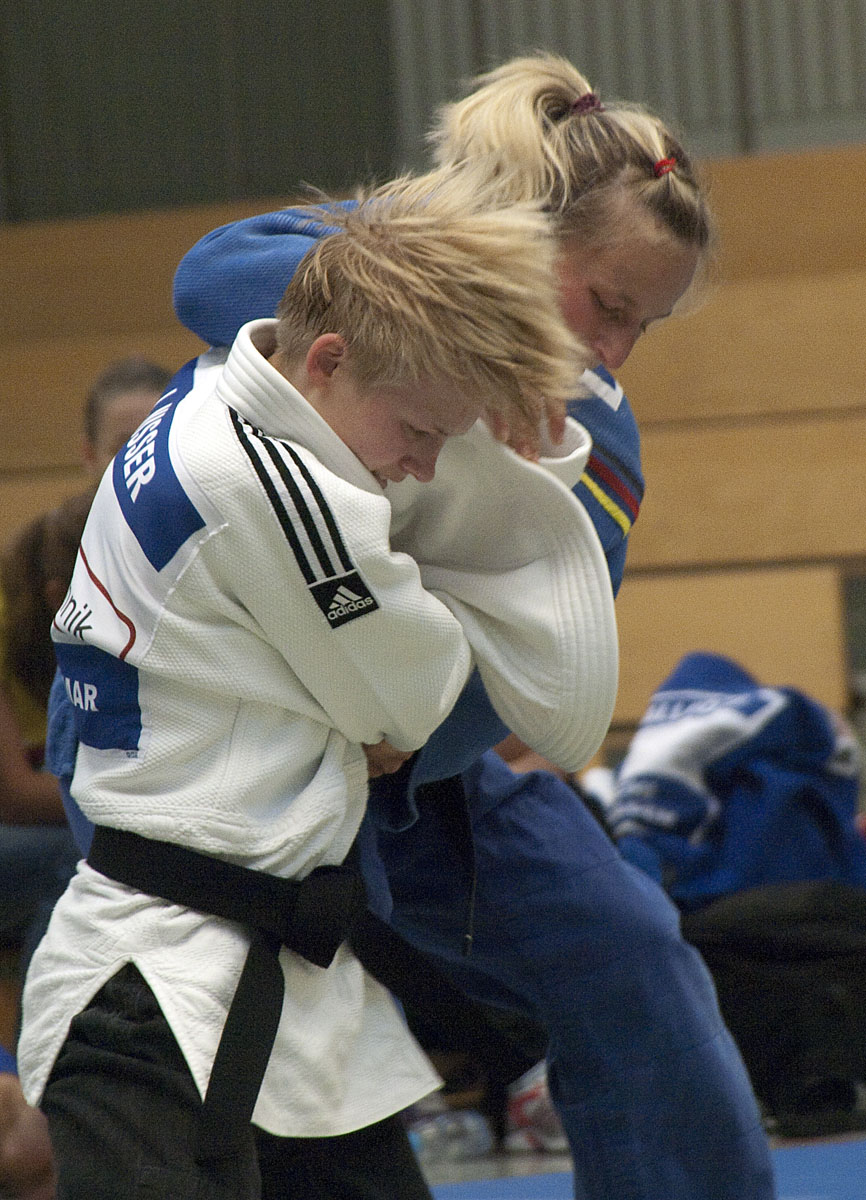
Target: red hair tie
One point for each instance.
(587, 103)
(663, 166)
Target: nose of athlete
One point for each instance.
(421, 469)
(613, 346)
(421, 461)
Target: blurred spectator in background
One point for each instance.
(118, 401)
(26, 1161)
(36, 848)
(34, 573)
(37, 851)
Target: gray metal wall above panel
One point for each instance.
(732, 75)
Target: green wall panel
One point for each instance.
(108, 108)
(314, 96)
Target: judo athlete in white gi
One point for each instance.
(238, 628)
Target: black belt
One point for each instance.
(312, 917)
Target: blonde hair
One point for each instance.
(424, 284)
(536, 127)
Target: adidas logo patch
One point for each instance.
(344, 599)
(345, 602)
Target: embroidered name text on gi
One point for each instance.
(138, 465)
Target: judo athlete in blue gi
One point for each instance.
(651, 1090)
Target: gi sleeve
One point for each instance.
(377, 655)
(240, 271)
(509, 549)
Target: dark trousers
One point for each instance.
(122, 1110)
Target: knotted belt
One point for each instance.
(311, 917)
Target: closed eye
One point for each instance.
(610, 311)
(420, 433)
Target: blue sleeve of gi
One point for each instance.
(240, 271)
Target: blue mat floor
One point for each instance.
(818, 1171)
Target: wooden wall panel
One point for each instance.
(768, 345)
(100, 275)
(45, 382)
(794, 212)
(786, 626)
(759, 491)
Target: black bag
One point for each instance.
(789, 963)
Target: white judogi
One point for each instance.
(238, 624)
